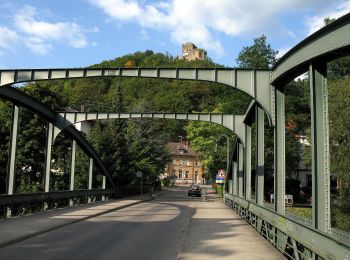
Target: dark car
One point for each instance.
(194, 190)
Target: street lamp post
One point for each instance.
(228, 152)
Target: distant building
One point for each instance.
(190, 52)
(185, 166)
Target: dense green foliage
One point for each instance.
(258, 56)
(125, 146)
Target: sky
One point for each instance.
(79, 33)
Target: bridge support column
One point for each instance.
(320, 148)
(48, 160)
(91, 166)
(279, 153)
(248, 162)
(72, 170)
(234, 174)
(240, 170)
(259, 157)
(12, 155)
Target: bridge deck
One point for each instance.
(172, 226)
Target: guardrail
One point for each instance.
(8, 200)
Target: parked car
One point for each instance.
(194, 190)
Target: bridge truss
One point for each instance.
(292, 236)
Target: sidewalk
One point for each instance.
(20, 228)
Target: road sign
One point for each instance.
(139, 174)
(220, 177)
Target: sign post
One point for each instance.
(139, 175)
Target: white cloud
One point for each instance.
(30, 31)
(316, 22)
(8, 38)
(196, 20)
(27, 21)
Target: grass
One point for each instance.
(305, 213)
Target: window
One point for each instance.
(181, 162)
(180, 174)
(187, 162)
(196, 163)
(186, 175)
(174, 173)
(174, 162)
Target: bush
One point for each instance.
(166, 181)
(219, 189)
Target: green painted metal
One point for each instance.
(280, 172)
(18, 97)
(311, 240)
(327, 44)
(255, 83)
(231, 122)
(259, 157)
(13, 149)
(12, 155)
(72, 165)
(295, 238)
(320, 149)
(48, 157)
(27, 198)
(235, 177)
(91, 165)
(240, 170)
(72, 170)
(248, 161)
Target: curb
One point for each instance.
(34, 234)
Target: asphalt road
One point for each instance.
(173, 226)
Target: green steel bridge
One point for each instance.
(314, 240)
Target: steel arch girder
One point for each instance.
(18, 97)
(255, 83)
(232, 122)
(329, 43)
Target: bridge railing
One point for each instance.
(28, 203)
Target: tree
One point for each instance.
(202, 137)
(258, 56)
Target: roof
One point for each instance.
(175, 148)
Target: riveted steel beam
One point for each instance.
(329, 43)
(13, 149)
(18, 97)
(231, 122)
(248, 161)
(259, 157)
(279, 153)
(318, 242)
(240, 170)
(255, 83)
(48, 156)
(320, 148)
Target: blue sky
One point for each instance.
(66, 33)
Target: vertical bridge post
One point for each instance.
(48, 160)
(320, 148)
(248, 161)
(91, 167)
(279, 153)
(259, 150)
(12, 155)
(72, 170)
(240, 170)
